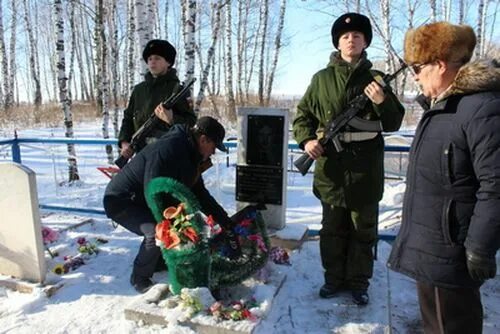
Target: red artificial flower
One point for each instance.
(162, 229)
(191, 234)
(245, 222)
(172, 240)
(210, 221)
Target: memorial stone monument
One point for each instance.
(261, 171)
(21, 243)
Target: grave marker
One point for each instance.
(261, 171)
(21, 243)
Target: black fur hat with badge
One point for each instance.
(160, 48)
(352, 22)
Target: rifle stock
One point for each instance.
(333, 128)
(139, 137)
(303, 163)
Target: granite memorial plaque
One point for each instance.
(265, 140)
(259, 184)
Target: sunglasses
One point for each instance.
(417, 68)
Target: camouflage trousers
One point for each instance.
(347, 237)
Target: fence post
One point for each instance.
(16, 150)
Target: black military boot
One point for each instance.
(140, 284)
(329, 290)
(360, 297)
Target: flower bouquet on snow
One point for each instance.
(180, 233)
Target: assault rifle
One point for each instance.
(139, 137)
(333, 128)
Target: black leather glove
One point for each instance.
(232, 243)
(480, 267)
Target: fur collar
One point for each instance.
(478, 76)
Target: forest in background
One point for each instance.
(62, 56)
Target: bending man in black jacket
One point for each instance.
(179, 154)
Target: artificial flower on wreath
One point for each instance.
(176, 229)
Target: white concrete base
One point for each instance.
(152, 308)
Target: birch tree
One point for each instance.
(72, 51)
(115, 79)
(63, 93)
(102, 92)
(241, 31)
(231, 103)
(483, 25)
(461, 12)
(479, 29)
(250, 67)
(143, 26)
(9, 93)
(189, 37)
(216, 9)
(264, 13)
(277, 49)
(32, 49)
(166, 19)
(385, 11)
(3, 55)
(432, 5)
(130, 68)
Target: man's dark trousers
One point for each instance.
(450, 311)
(139, 220)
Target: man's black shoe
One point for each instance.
(329, 290)
(360, 297)
(160, 265)
(140, 284)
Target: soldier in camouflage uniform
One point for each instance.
(349, 183)
(159, 83)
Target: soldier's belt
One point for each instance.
(348, 137)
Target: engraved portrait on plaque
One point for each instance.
(265, 140)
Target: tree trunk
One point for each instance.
(231, 104)
(102, 92)
(240, 42)
(190, 35)
(461, 12)
(9, 94)
(264, 13)
(277, 48)
(143, 27)
(432, 4)
(72, 51)
(479, 31)
(5, 64)
(166, 19)
(130, 46)
(385, 11)
(63, 93)
(115, 78)
(216, 8)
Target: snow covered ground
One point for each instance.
(93, 297)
